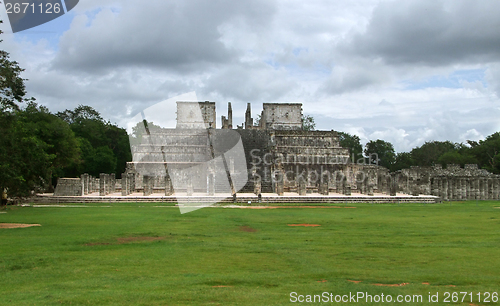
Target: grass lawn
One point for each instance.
(139, 254)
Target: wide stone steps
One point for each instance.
(226, 198)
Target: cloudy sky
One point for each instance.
(403, 71)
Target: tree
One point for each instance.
(256, 121)
(12, 88)
(403, 160)
(428, 154)
(62, 146)
(308, 123)
(351, 142)
(380, 152)
(90, 127)
(24, 162)
(140, 128)
(487, 152)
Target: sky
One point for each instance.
(406, 71)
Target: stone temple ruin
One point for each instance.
(280, 161)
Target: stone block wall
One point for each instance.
(281, 116)
(69, 187)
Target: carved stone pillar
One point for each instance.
(189, 187)
(279, 182)
(147, 185)
(444, 191)
(302, 187)
(323, 185)
(393, 186)
(125, 183)
(131, 183)
(102, 184)
(211, 183)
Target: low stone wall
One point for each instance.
(69, 187)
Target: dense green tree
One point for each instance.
(88, 124)
(24, 162)
(62, 145)
(428, 154)
(351, 142)
(403, 160)
(12, 88)
(380, 152)
(487, 152)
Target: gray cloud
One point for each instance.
(431, 32)
(174, 34)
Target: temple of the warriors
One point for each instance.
(277, 159)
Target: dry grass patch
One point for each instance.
(16, 225)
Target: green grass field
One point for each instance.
(146, 255)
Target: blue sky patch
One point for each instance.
(453, 80)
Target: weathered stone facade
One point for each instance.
(279, 157)
(188, 115)
(281, 116)
(450, 183)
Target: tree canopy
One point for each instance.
(380, 152)
(105, 146)
(351, 142)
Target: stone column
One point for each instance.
(189, 187)
(112, 184)
(279, 183)
(211, 184)
(131, 183)
(444, 191)
(339, 185)
(458, 189)
(475, 188)
(468, 189)
(450, 188)
(125, 182)
(434, 186)
(108, 184)
(147, 185)
(301, 186)
(384, 185)
(85, 182)
(347, 190)
(92, 184)
(364, 185)
(464, 188)
(482, 188)
(489, 196)
(393, 186)
(495, 189)
(370, 189)
(257, 185)
(102, 184)
(89, 182)
(323, 186)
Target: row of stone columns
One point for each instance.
(89, 184)
(107, 184)
(128, 183)
(466, 188)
